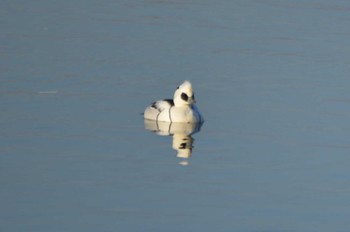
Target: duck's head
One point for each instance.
(184, 95)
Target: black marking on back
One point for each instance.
(154, 105)
(184, 97)
(170, 101)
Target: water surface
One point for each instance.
(271, 79)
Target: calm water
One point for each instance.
(271, 79)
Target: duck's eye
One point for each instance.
(178, 87)
(184, 97)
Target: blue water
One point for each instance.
(271, 79)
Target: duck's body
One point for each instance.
(166, 111)
(180, 109)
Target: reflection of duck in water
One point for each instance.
(180, 109)
(183, 145)
(181, 132)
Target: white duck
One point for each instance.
(180, 109)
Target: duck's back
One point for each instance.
(159, 110)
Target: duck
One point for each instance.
(182, 108)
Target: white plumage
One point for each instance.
(180, 109)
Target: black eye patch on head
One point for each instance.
(184, 97)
